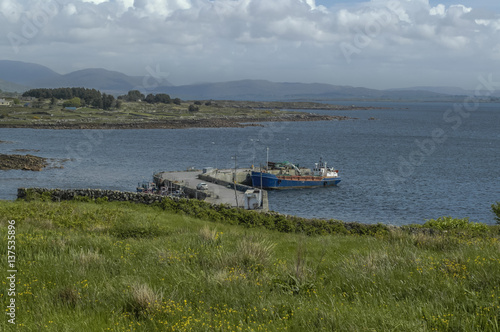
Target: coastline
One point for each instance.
(209, 122)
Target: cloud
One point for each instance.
(251, 37)
(11, 10)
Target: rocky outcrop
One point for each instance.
(23, 162)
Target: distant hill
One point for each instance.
(12, 87)
(24, 73)
(36, 76)
(448, 90)
(101, 79)
(266, 90)
(20, 76)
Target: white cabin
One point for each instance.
(321, 169)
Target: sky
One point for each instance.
(377, 44)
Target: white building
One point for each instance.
(4, 102)
(253, 199)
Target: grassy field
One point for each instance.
(139, 112)
(99, 266)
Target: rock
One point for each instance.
(22, 162)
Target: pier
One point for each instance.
(223, 186)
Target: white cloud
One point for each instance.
(160, 7)
(11, 10)
(439, 10)
(95, 1)
(494, 24)
(264, 38)
(70, 9)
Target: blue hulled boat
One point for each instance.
(278, 176)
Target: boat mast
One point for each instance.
(267, 160)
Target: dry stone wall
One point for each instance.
(70, 194)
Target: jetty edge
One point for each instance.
(215, 186)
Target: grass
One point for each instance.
(130, 112)
(84, 266)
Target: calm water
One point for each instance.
(386, 175)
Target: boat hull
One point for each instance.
(271, 181)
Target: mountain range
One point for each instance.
(16, 76)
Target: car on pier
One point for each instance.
(202, 186)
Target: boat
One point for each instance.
(286, 175)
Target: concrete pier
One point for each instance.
(220, 186)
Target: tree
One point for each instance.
(163, 98)
(496, 210)
(73, 102)
(150, 98)
(177, 101)
(193, 108)
(108, 101)
(97, 103)
(87, 96)
(135, 95)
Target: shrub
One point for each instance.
(33, 195)
(291, 285)
(143, 300)
(496, 210)
(453, 224)
(251, 253)
(209, 236)
(74, 102)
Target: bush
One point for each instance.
(73, 102)
(254, 252)
(193, 108)
(496, 210)
(143, 300)
(281, 223)
(452, 224)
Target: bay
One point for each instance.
(413, 162)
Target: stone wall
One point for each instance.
(112, 195)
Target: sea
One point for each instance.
(400, 164)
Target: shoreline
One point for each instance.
(219, 122)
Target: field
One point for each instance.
(144, 115)
(100, 266)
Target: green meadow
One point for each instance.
(142, 113)
(113, 266)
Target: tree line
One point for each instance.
(160, 98)
(76, 97)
